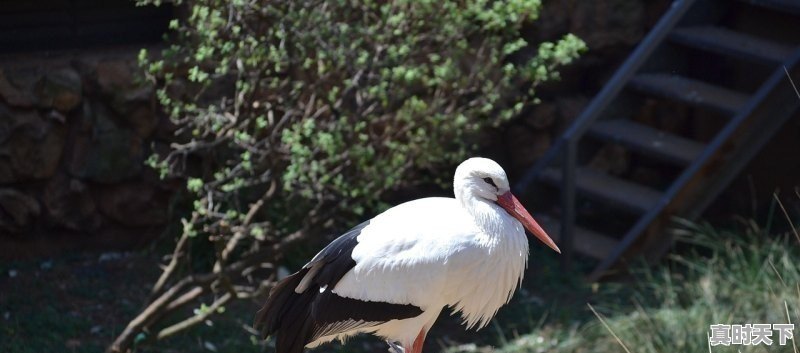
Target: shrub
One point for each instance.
(298, 115)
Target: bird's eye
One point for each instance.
(490, 181)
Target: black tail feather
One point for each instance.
(287, 313)
(298, 325)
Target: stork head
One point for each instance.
(484, 179)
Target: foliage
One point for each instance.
(732, 277)
(298, 111)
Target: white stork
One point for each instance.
(392, 275)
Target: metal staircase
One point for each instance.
(720, 67)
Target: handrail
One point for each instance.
(698, 163)
(610, 90)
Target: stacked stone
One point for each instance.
(73, 138)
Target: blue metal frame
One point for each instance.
(568, 142)
(610, 90)
(766, 89)
(566, 145)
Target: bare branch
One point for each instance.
(177, 255)
(194, 320)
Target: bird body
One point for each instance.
(441, 259)
(393, 275)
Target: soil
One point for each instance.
(78, 303)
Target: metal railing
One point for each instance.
(788, 105)
(772, 103)
(567, 143)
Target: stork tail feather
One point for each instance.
(287, 313)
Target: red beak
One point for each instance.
(515, 209)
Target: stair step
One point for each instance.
(728, 42)
(791, 6)
(690, 91)
(585, 241)
(606, 188)
(652, 141)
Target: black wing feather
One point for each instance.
(296, 319)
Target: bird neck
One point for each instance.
(488, 216)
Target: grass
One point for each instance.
(746, 275)
(728, 276)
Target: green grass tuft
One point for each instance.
(728, 276)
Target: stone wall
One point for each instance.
(75, 128)
(74, 131)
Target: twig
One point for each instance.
(609, 328)
(789, 321)
(239, 235)
(177, 254)
(176, 296)
(791, 81)
(788, 219)
(184, 299)
(229, 247)
(151, 313)
(194, 320)
(197, 145)
(777, 273)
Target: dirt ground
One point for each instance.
(79, 303)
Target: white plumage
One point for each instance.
(468, 253)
